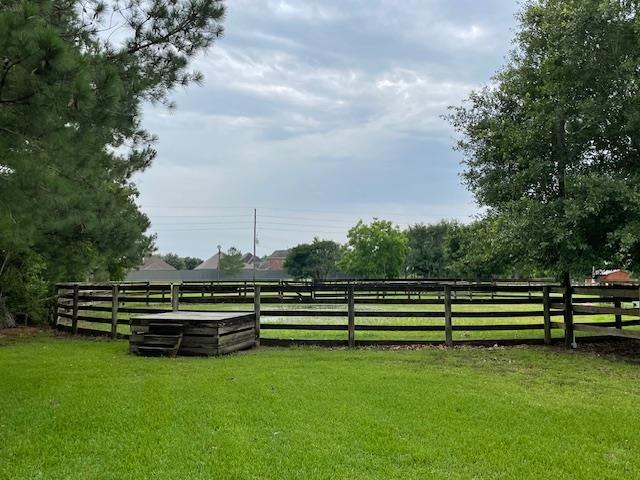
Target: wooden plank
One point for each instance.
(74, 315)
(611, 291)
(547, 315)
(495, 314)
(351, 318)
(569, 338)
(304, 313)
(448, 330)
(616, 310)
(175, 297)
(238, 337)
(114, 311)
(302, 326)
(196, 341)
(241, 324)
(617, 305)
(400, 328)
(236, 347)
(200, 331)
(615, 332)
(256, 312)
(398, 314)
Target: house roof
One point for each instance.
(604, 273)
(210, 263)
(155, 262)
(279, 254)
(250, 258)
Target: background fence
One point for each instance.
(370, 312)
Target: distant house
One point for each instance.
(154, 262)
(249, 259)
(275, 261)
(605, 276)
(210, 263)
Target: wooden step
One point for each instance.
(148, 350)
(155, 344)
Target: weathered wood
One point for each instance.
(235, 338)
(201, 333)
(114, 311)
(569, 340)
(175, 297)
(448, 330)
(615, 332)
(617, 304)
(597, 310)
(547, 315)
(351, 317)
(303, 326)
(256, 312)
(611, 291)
(74, 315)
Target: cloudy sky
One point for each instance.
(317, 114)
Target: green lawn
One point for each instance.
(79, 408)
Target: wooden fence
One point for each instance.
(542, 307)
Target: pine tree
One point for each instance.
(72, 84)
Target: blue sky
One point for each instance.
(320, 113)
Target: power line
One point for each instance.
(277, 209)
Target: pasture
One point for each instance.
(73, 407)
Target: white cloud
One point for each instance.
(324, 105)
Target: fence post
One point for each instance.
(547, 315)
(351, 316)
(148, 293)
(448, 325)
(617, 304)
(256, 310)
(74, 315)
(175, 296)
(114, 310)
(569, 340)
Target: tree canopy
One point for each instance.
(73, 79)
(426, 256)
(375, 250)
(181, 263)
(231, 262)
(552, 146)
(316, 260)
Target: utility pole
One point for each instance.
(219, 256)
(255, 221)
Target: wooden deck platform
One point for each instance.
(192, 333)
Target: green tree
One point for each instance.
(426, 257)
(231, 262)
(483, 250)
(175, 260)
(553, 146)
(70, 133)
(181, 263)
(191, 262)
(376, 250)
(316, 260)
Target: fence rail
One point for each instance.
(369, 308)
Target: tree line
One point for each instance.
(381, 249)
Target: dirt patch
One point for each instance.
(23, 331)
(627, 350)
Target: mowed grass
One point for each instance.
(77, 408)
